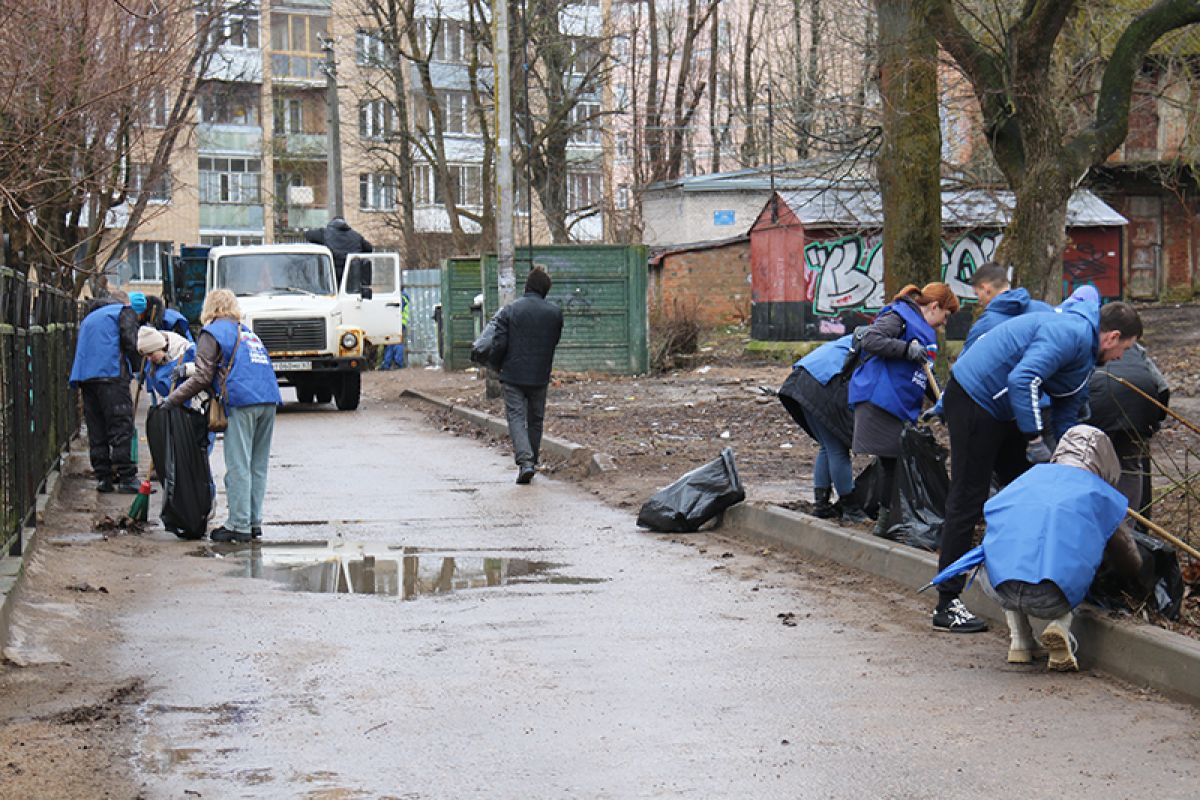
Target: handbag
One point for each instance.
(218, 420)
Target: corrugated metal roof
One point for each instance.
(860, 206)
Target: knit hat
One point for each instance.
(137, 301)
(150, 340)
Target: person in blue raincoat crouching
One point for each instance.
(1047, 533)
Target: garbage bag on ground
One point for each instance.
(1160, 569)
(179, 445)
(918, 497)
(695, 498)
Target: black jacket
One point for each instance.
(1118, 409)
(341, 240)
(527, 331)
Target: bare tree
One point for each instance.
(1010, 61)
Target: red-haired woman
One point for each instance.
(889, 385)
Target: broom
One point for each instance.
(139, 511)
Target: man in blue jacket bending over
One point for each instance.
(994, 413)
(999, 301)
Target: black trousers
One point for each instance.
(108, 412)
(979, 445)
(525, 407)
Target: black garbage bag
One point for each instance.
(918, 497)
(178, 440)
(1160, 570)
(695, 498)
(483, 348)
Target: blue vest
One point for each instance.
(1052, 523)
(827, 360)
(159, 378)
(174, 321)
(98, 352)
(251, 378)
(896, 385)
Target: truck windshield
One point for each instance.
(275, 273)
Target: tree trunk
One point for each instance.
(1036, 235)
(910, 157)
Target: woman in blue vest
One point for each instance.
(815, 395)
(232, 362)
(889, 384)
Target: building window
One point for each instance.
(585, 123)
(288, 113)
(622, 145)
(237, 27)
(453, 41)
(155, 108)
(370, 50)
(584, 190)
(230, 180)
(585, 55)
(220, 240)
(224, 103)
(468, 182)
(376, 119)
(158, 190)
(377, 192)
(458, 112)
(423, 185)
(296, 45)
(623, 197)
(145, 260)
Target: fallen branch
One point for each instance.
(1164, 535)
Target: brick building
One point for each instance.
(709, 279)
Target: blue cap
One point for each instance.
(137, 301)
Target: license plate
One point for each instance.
(291, 366)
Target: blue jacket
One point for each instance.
(1052, 523)
(896, 385)
(827, 360)
(98, 351)
(174, 321)
(251, 379)
(1042, 353)
(160, 377)
(1004, 306)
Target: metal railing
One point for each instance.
(39, 412)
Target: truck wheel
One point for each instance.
(349, 391)
(324, 395)
(304, 394)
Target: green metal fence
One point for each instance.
(39, 412)
(462, 282)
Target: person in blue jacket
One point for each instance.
(232, 362)
(998, 300)
(815, 394)
(164, 352)
(1047, 533)
(999, 421)
(106, 359)
(889, 385)
(175, 322)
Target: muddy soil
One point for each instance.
(658, 427)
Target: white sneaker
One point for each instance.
(1061, 645)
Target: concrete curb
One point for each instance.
(1143, 655)
(588, 459)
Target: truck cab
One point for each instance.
(314, 327)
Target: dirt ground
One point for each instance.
(658, 427)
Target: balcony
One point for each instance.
(229, 139)
(308, 146)
(231, 217)
(297, 70)
(302, 217)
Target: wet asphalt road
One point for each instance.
(617, 665)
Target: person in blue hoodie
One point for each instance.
(999, 420)
(815, 394)
(998, 301)
(890, 383)
(1047, 534)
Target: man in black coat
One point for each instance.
(527, 332)
(341, 240)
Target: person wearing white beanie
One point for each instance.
(165, 351)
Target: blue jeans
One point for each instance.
(833, 465)
(393, 354)
(247, 451)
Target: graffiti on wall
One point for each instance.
(846, 274)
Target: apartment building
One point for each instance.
(255, 168)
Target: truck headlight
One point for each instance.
(349, 341)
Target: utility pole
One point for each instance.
(333, 127)
(504, 170)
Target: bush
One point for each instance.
(674, 334)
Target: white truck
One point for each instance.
(314, 327)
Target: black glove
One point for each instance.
(1037, 452)
(916, 352)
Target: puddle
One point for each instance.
(404, 572)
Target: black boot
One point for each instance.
(881, 523)
(822, 508)
(852, 512)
